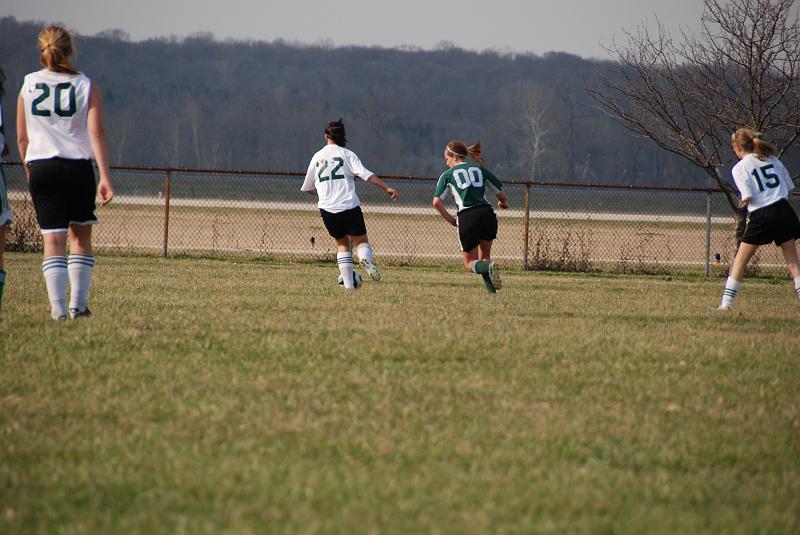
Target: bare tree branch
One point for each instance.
(741, 69)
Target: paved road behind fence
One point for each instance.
(549, 226)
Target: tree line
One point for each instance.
(199, 102)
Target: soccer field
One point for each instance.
(209, 396)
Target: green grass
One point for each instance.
(214, 397)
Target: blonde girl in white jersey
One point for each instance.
(331, 175)
(59, 132)
(764, 184)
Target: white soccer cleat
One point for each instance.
(74, 313)
(371, 269)
(723, 307)
(494, 275)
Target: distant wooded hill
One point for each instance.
(197, 102)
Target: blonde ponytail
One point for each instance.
(475, 151)
(750, 141)
(56, 49)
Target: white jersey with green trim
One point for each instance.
(764, 182)
(56, 109)
(332, 172)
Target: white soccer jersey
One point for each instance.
(765, 182)
(56, 109)
(332, 171)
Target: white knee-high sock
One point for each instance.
(80, 268)
(797, 286)
(54, 269)
(345, 261)
(729, 293)
(365, 252)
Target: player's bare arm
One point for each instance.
(437, 203)
(377, 182)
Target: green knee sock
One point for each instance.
(480, 266)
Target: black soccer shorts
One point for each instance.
(63, 193)
(347, 223)
(777, 223)
(476, 224)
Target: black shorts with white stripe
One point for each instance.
(777, 223)
(347, 223)
(63, 193)
(476, 224)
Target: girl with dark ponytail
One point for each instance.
(331, 176)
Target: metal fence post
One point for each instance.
(527, 226)
(167, 180)
(708, 233)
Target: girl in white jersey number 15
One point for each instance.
(59, 131)
(764, 184)
(331, 175)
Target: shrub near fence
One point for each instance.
(548, 226)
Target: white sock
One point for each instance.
(54, 269)
(80, 279)
(729, 293)
(797, 286)
(345, 261)
(365, 252)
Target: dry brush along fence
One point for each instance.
(548, 226)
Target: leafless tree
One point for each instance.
(740, 69)
(535, 131)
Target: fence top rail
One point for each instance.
(512, 181)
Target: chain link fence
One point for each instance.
(548, 226)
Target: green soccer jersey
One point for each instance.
(467, 182)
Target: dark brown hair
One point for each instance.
(56, 49)
(458, 148)
(750, 141)
(335, 131)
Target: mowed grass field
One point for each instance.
(210, 396)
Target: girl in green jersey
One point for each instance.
(475, 218)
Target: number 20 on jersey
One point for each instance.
(62, 104)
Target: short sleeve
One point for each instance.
(784, 174)
(742, 180)
(357, 167)
(308, 183)
(441, 187)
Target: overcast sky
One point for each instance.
(579, 27)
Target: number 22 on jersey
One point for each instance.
(335, 165)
